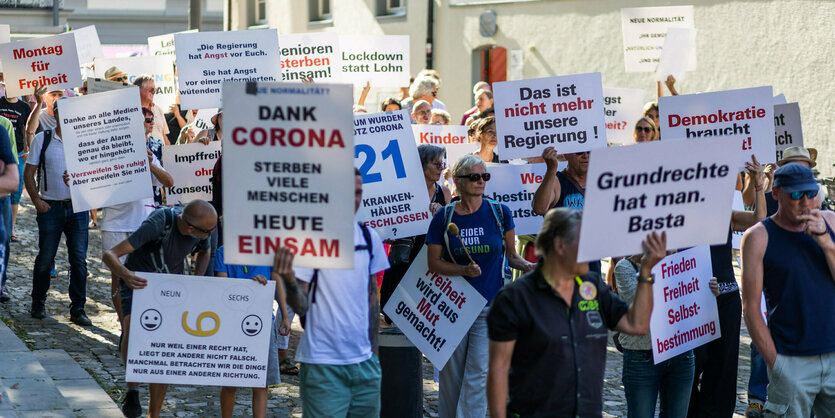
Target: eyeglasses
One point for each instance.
(207, 232)
(149, 120)
(644, 129)
(810, 194)
(438, 165)
(150, 89)
(474, 177)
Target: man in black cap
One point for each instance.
(790, 257)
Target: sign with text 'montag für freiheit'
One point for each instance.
(200, 331)
(191, 167)
(394, 197)
(644, 32)
(562, 112)
(684, 311)
(680, 187)
(292, 184)
(51, 61)
(433, 311)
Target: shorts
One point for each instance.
(126, 296)
(16, 195)
(273, 373)
(110, 239)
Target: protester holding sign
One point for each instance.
(147, 90)
(548, 328)
(471, 237)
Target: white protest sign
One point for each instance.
(310, 55)
(788, 131)
(623, 108)
(746, 113)
(207, 59)
(679, 47)
(455, 151)
(381, 59)
(105, 151)
(684, 312)
(394, 198)
(681, 187)
(433, 311)
(191, 167)
(87, 44)
(289, 153)
(780, 99)
(736, 236)
(440, 135)
(100, 85)
(644, 30)
(562, 112)
(203, 331)
(164, 44)
(161, 68)
(51, 61)
(514, 186)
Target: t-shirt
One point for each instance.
(482, 236)
(238, 271)
(336, 325)
(6, 124)
(175, 247)
(571, 195)
(55, 166)
(6, 154)
(127, 217)
(17, 113)
(160, 127)
(46, 122)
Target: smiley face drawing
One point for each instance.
(150, 320)
(251, 325)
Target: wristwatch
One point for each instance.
(642, 279)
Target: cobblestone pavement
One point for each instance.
(95, 348)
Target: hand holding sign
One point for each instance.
(655, 249)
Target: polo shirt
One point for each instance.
(560, 352)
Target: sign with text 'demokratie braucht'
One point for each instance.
(681, 187)
(288, 178)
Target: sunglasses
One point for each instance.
(799, 195)
(438, 165)
(644, 129)
(123, 78)
(474, 177)
(207, 232)
(149, 120)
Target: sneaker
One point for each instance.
(754, 410)
(130, 405)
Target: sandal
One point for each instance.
(14, 238)
(287, 366)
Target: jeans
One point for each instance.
(758, 381)
(6, 214)
(643, 380)
(463, 380)
(51, 224)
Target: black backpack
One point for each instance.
(47, 138)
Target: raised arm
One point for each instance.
(742, 220)
(636, 320)
(549, 190)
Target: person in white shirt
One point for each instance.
(147, 89)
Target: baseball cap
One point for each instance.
(792, 178)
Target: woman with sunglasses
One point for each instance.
(645, 130)
(486, 228)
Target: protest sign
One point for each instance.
(291, 183)
(164, 44)
(455, 151)
(644, 30)
(191, 167)
(684, 314)
(105, 151)
(562, 112)
(780, 99)
(51, 61)
(433, 311)
(207, 59)
(736, 236)
(394, 198)
(440, 135)
(200, 331)
(679, 47)
(310, 55)
(681, 187)
(87, 44)
(623, 108)
(746, 113)
(381, 59)
(100, 85)
(161, 68)
(788, 131)
(514, 186)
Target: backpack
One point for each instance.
(496, 208)
(158, 255)
(47, 138)
(314, 281)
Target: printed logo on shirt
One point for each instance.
(471, 237)
(574, 201)
(588, 305)
(594, 318)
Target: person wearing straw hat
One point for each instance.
(799, 154)
(115, 74)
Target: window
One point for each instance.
(319, 10)
(391, 7)
(260, 12)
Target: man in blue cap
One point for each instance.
(790, 257)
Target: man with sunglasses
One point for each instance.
(160, 245)
(147, 90)
(790, 257)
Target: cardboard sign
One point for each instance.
(623, 108)
(105, 151)
(454, 152)
(736, 236)
(191, 167)
(164, 44)
(433, 311)
(679, 49)
(203, 331)
(50, 61)
(381, 59)
(746, 113)
(514, 186)
(290, 179)
(440, 135)
(394, 198)
(161, 68)
(310, 55)
(681, 187)
(788, 131)
(644, 30)
(684, 311)
(207, 59)
(87, 44)
(561, 112)
(100, 85)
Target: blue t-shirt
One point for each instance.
(482, 236)
(571, 196)
(6, 153)
(239, 272)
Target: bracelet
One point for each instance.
(825, 231)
